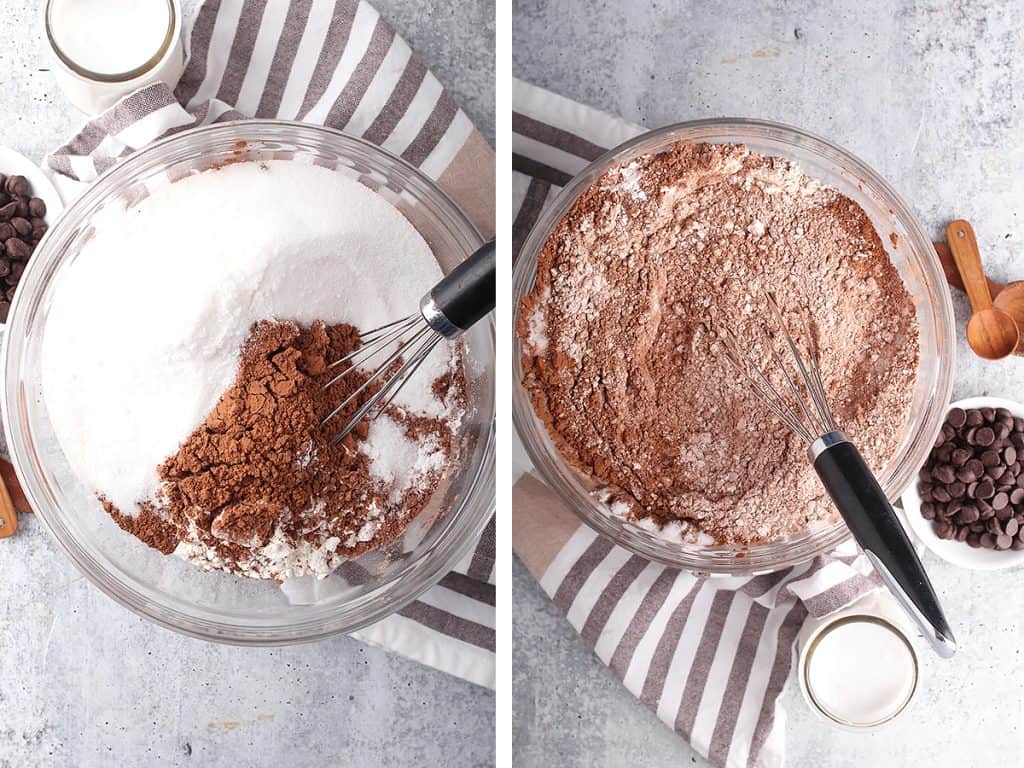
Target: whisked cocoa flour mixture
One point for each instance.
(260, 478)
(625, 370)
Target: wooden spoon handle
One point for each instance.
(964, 246)
(953, 274)
(8, 515)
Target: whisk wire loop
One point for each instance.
(381, 371)
(372, 344)
(807, 421)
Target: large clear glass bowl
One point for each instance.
(169, 590)
(912, 254)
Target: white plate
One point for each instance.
(950, 550)
(16, 164)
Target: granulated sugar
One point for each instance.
(147, 326)
(624, 369)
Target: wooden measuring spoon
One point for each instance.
(1011, 300)
(8, 515)
(991, 332)
(954, 279)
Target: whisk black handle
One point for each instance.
(873, 523)
(464, 295)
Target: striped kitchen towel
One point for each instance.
(339, 64)
(709, 655)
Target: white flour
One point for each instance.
(146, 326)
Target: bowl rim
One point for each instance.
(481, 484)
(741, 129)
(955, 552)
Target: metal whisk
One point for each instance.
(843, 471)
(446, 311)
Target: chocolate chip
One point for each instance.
(989, 414)
(928, 511)
(1012, 527)
(966, 475)
(984, 436)
(22, 226)
(5, 308)
(939, 438)
(17, 249)
(8, 211)
(1017, 496)
(974, 540)
(988, 541)
(961, 456)
(985, 510)
(944, 474)
(1010, 455)
(967, 514)
(940, 493)
(956, 489)
(1003, 541)
(37, 207)
(989, 458)
(956, 417)
(986, 490)
(994, 526)
(1018, 424)
(1018, 544)
(17, 185)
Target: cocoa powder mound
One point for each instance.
(260, 476)
(625, 370)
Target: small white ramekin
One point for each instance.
(951, 550)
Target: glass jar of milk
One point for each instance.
(105, 49)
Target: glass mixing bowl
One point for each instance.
(912, 254)
(169, 590)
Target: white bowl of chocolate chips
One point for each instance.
(967, 505)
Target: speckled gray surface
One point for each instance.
(930, 95)
(84, 682)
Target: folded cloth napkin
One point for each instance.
(338, 64)
(709, 655)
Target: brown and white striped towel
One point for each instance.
(339, 64)
(709, 655)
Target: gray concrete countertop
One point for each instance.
(930, 95)
(85, 682)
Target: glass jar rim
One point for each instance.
(173, 21)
